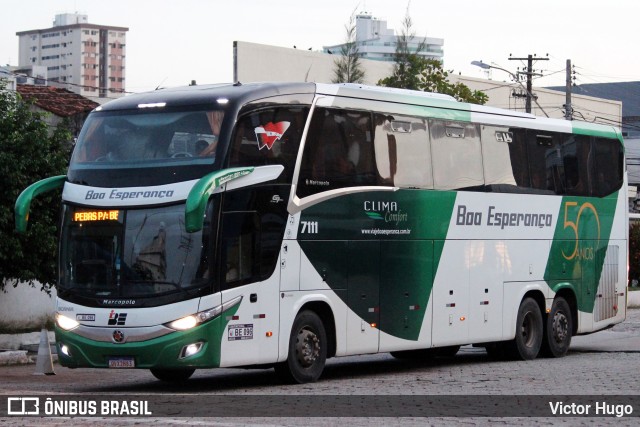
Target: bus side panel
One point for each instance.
(406, 281)
(487, 266)
(451, 295)
(246, 341)
(291, 302)
(363, 297)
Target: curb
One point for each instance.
(20, 341)
(20, 357)
(22, 349)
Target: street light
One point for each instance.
(514, 77)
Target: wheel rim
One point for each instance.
(526, 330)
(560, 327)
(307, 348)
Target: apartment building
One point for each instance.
(85, 58)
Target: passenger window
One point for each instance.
(609, 166)
(497, 145)
(546, 167)
(402, 151)
(456, 155)
(267, 137)
(338, 152)
(240, 249)
(575, 161)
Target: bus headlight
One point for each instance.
(65, 322)
(189, 322)
(184, 323)
(193, 320)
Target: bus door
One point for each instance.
(246, 327)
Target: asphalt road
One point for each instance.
(605, 364)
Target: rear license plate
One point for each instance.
(122, 362)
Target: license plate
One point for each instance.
(122, 362)
(240, 332)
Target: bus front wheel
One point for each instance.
(307, 350)
(172, 375)
(529, 331)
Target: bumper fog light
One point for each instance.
(191, 349)
(65, 350)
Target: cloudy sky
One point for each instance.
(170, 43)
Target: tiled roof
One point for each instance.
(61, 102)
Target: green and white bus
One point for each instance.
(284, 224)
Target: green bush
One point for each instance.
(29, 151)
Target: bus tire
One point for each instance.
(558, 329)
(307, 352)
(529, 331)
(172, 375)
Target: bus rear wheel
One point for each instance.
(172, 375)
(529, 331)
(558, 329)
(307, 350)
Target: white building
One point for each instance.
(376, 41)
(85, 58)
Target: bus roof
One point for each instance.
(209, 94)
(240, 94)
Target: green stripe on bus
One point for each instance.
(579, 246)
(381, 243)
(591, 129)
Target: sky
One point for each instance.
(170, 43)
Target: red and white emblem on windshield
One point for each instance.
(268, 134)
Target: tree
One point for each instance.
(408, 64)
(412, 71)
(433, 78)
(348, 68)
(29, 152)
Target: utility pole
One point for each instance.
(529, 73)
(568, 108)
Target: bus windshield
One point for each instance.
(133, 253)
(134, 139)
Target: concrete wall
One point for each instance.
(25, 307)
(260, 63)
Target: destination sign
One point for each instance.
(111, 215)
